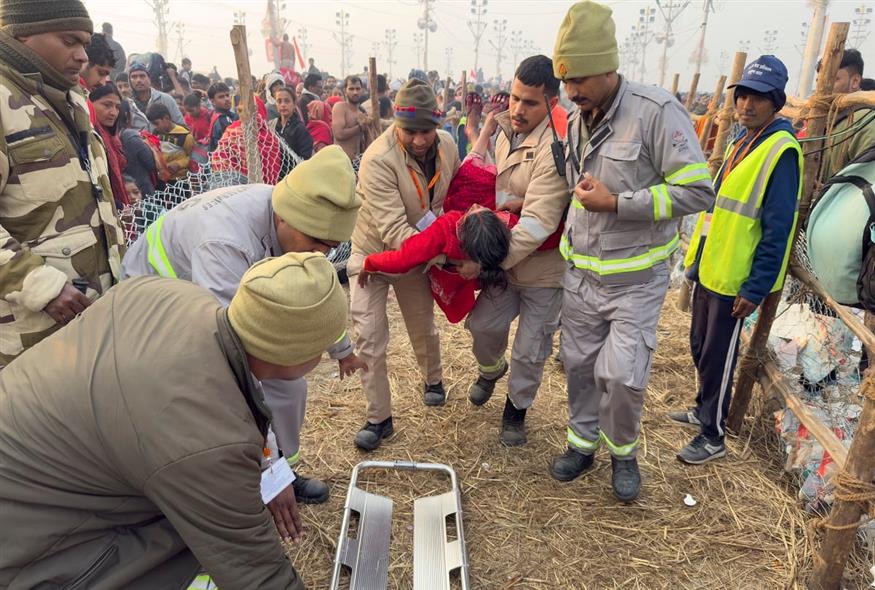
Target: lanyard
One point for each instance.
(431, 182)
(732, 162)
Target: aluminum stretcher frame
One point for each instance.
(434, 557)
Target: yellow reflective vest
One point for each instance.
(734, 228)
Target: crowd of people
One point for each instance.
(152, 397)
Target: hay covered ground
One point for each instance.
(525, 530)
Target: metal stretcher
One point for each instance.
(435, 555)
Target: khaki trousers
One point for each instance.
(371, 324)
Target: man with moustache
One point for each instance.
(634, 164)
(348, 120)
(528, 184)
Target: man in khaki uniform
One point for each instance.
(156, 470)
(529, 183)
(403, 180)
(58, 222)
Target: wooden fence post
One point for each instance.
(713, 106)
(674, 84)
(748, 366)
(691, 97)
(464, 94)
(724, 121)
(246, 109)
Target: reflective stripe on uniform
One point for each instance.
(293, 460)
(609, 267)
(689, 174)
(534, 228)
(157, 255)
(620, 450)
(492, 368)
(661, 202)
(580, 442)
(202, 582)
(342, 336)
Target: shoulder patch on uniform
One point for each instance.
(679, 140)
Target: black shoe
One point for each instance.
(625, 479)
(570, 465)
(701, 450)
(481, 390)
(371, 435)
(513, 426)
(309, 490)
(435, 395)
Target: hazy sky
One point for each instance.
(208, 22)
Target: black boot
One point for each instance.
(481, 390)
(625, 479)
(371, 435)
(435, 395)
(570, 465)
(310, 490)
(513, 426)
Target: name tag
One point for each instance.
(426, 221)
(275, 479)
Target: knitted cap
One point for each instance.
(586, 44)
(318, 198)
(416, 107)
(290, 309)
(21, 18)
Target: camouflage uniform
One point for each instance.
(57, 217)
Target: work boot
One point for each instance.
(625, 479)
(435, 395)
(371, 435)
(701, 450)
(570, 464)
(310, 490)
(513, 426)
(481, 390)
(686, 417)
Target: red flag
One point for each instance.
(298, 52)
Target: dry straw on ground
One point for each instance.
(525, 530)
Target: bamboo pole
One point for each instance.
(372, 86)
(676, 79)
(724, 121)
(749, 364)
(464, 94)
(447, 95)
(713, 106)
(691, 97)
(246, 108)
(844, 518)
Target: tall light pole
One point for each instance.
(744, 46)
(390, 43)
(516, 46)
(770, 38)
(342, 21)
(304, 42)
(860, 26)
(427, 24)
(161, 10)
(477, 24)
(643, 36)
(801, 47)
(500, 28)
(671, 10)
(181, 43)
(449, 53)
(812, 47)
(700, 49)
(417, 43)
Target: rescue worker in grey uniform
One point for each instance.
(634, 165)
(213, 238)
(528, 184)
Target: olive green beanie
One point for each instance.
(318, 198)
(586, 44)
(416, 107)
(290, 309)
(21, 18)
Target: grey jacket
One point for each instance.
(645, 151)
(138, 117)
(212, 239)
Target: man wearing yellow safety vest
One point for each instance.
(739, 251)
(634, 164)
(212, 239)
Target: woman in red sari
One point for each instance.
(103, 105)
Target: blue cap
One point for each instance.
(765, 74)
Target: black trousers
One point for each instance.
(714, 339)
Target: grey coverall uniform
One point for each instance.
(645, 151)
(534, 294)
(211, 240)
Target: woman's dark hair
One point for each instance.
(106, 90)
(124, 116)
(486, 240)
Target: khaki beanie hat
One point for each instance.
(416, 107)
(290, 309)
(21, 18)
(318, 197)
(586, 44)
